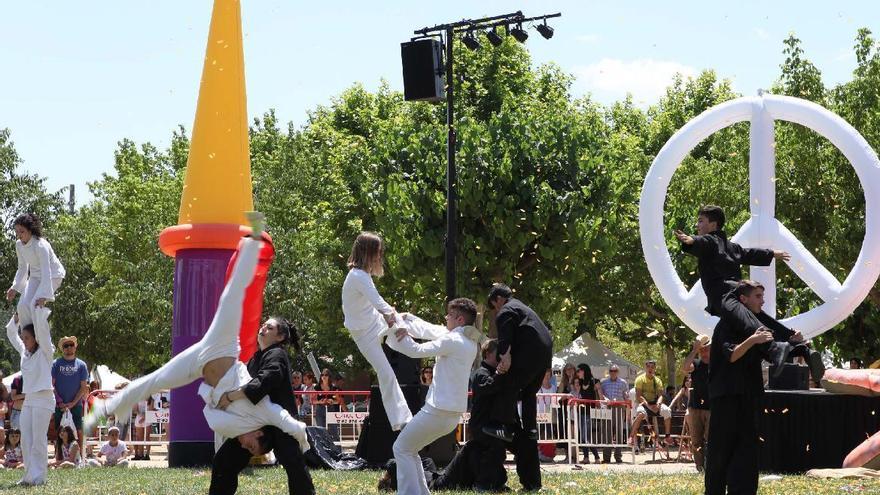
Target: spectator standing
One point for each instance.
(855, 364)
(590, 390)
(546, 451)
(427, 376)
(614, 389)
(296, 384)
(679, 403)
(16, 396)
(698, 414)
(70, 375)
(308, 399)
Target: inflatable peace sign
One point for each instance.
(763, 230)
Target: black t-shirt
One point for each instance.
(699, 397)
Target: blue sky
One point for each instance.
(77, 77)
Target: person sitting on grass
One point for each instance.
(12, 456)
(114, 451)
(67, 453)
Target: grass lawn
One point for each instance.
(156, 481)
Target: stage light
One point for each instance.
(545, 30)
(519, 33)
(493, 37)
(471, 41)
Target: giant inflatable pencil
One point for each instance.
(217, 191)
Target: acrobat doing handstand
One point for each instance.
(215, 358)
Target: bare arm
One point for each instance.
(758, 337)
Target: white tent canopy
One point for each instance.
(107, 378)
(586, 349)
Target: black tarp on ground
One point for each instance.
(325, 454)
(803, 430)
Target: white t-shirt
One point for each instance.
(112, 453)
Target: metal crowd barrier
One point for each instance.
(599, 425)
(157, 420)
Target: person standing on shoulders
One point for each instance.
(39, 272)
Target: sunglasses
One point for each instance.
(68, 345)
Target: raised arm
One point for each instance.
(697, 245)
(42, 333)
(12, 335)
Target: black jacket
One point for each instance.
(742, 377)
(720, 261)
(520, 327)
(270, 375)
(485, 385)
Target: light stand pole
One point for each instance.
(468, 26)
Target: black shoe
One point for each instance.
(532, 434)
(778, 353)
(499, 432)
(146, 458)
(817, 367)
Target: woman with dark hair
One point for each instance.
(590, 390)
(34, 343)
(269, 369)
(39, 272)
(67, 453)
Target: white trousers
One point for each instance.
(392, 396)
(428, 425)
(221, 339)
(26, 301)
(34, 444)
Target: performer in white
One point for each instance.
(215, 358)
(368, 316)
(455, 348)
(39, 271)
(34, 343)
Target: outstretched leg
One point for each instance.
(221, 339)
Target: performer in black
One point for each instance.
(525, 348)
(270, 369)
(735, 387)
(719, 262)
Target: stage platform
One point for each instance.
(802, 430)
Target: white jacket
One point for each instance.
(36, 368)
(455, 352)
(37, 259)
(362, 305)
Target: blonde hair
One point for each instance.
(366, 253)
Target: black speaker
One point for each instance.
(422, 70)
(376, 437)
(793, 377)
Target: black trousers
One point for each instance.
(478, 465)
(232, 458)
(732, 450)
(526, 375)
